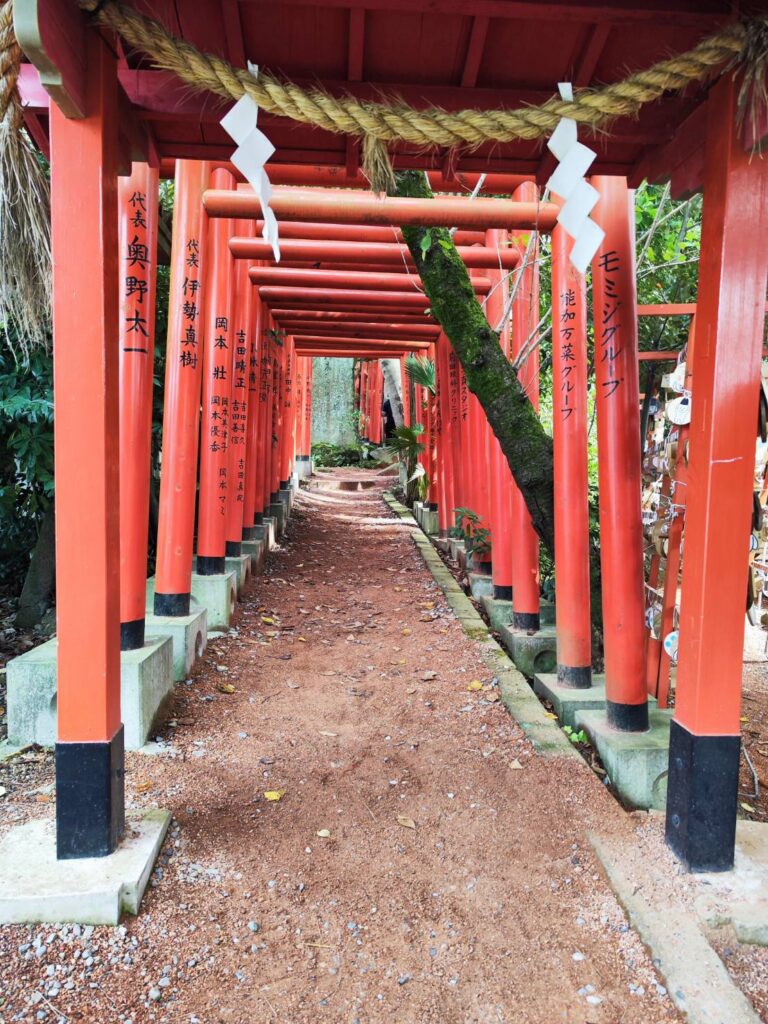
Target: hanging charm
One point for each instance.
(569, 183)
(253, 151)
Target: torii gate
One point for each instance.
(94, 135)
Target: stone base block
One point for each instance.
(146, 681)
(218, 595)
(286, 497)
(303, 467)
(188, 633)
(256, 550)
(499, 612)
(462, 557)
(418, 509)
(456, 546)
(429, 522)
(240, 565)
(277, 512)
(546, 612)
(265, 531)
(566, 700)
(636, 762)
(532, 654)
(36, 888)
(480, 584)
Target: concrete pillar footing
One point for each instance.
(636, 762)
(218, 595)
(480, 585)
(188, 635)
(256, 550)
(532, 653)
(36, 888)
(146, 681)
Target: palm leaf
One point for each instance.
(421, 370)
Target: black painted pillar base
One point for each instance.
(249, 532)
(209, 565)
(576, 678)
(432, 506)
(284, 485)
(702, 798)
(477, 565)
(132, 635)
(526, 620)
(90, 798)
(627, 717)
(172, 604)
(274, 497)
(258, 519)
(502, 593)
(233, 549)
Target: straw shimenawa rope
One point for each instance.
(25, 247)
(396, 121)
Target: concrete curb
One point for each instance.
(517, 696)
(698, 982)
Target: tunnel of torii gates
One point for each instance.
(242, 333)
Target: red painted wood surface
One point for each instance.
(243, 301)
(183, 377)
(86, 424)
(137, 240)
(730, 319)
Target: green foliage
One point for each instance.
(405, 446)
(326, 454)
(26, 458)
(421, 370)
(477, 539)
(576, 736)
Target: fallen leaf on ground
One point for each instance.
(324, 833)
(515, 764)
(302, 639)
(405, 821)
(266, 619)
(274, 795)
(427, 604)
(411, 690)
(325, 732)
(144, 787)
(426, 676)
(407, 632)
(475, 685)
(492, 696)
(747, 807)
(3, 790)
(550, 714)
(226, 688)
(293, 686)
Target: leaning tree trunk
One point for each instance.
(390, 368)
(489, 374)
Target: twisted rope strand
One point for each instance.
(396, 121)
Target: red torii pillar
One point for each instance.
(264, 448)
(288, 438)
(498, 468)
(306, 447)
(435, 429)
(237, 442)
(525, 540)
(569, 415)
(183, 376)
(447, 499)
(278, 376)
(705, 738)
(252, 500)
(618, 438)
(217, 382)
(90, 805)
(138, 213)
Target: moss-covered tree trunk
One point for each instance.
(489, 374)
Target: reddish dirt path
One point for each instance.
(353, 698)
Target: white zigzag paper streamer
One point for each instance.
(568, 182)
(253, 151)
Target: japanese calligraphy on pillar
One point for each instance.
(218, 418)
(239, 412)
(566, 330)
(136, 300)
(190, 305)
(608, 326)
